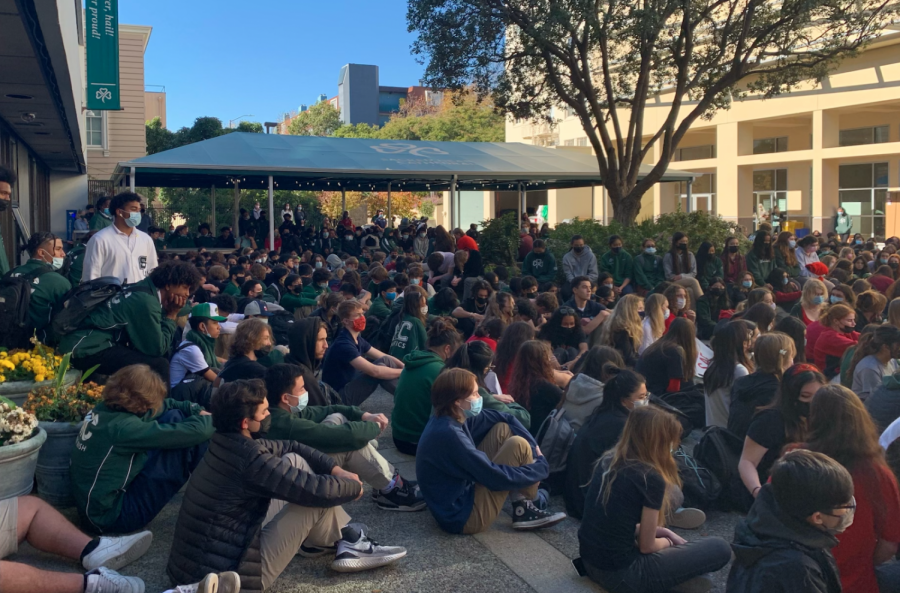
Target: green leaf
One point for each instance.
(88, 373)
(8, 402)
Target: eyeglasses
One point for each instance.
(850, 507)
(566, 311)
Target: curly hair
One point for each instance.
(176, 273)
(136, 389)
(248, 337)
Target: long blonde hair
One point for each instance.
(647, 440)
(811, 288)
(624, 317)
(654, 305)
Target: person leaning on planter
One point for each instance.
(135, 451)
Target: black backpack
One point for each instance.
(82, 300)
(281, 323)
(719, 450)
(692, 405)
(15, 301)
(700, 487)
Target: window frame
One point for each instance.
(104, 135)
(872, 129)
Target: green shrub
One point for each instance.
(499, 240)
(698, 226)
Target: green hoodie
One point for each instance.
(306, 428)
(618, 265)
(540, 265)
(47, 292)
(409, 337)
(112, 448)
(134, 318)
(491, 403)
(412, 398)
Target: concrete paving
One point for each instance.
(498, 561)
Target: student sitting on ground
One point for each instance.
(634, 491)
(252, 503)
(193, 369)
(137, 326)
(785, 543)
(352, 367)
(342, 432)
(135, 451)
(252, 341)
(469, 461)
(28, 518)
(410, 333)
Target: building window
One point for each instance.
(581, 141)
(769, 190)
(570, 111)
(769, 145)
(694, 153)
(875, 135)
(703, 194)
(94, 121)
(862, 191)
(569, 142)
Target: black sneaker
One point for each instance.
(364, 554)
(314, 551)
(403, 497)
(527, 516)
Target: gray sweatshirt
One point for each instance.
(583, 264)
(583, 396)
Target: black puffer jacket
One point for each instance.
(227, 499)
(776, 553)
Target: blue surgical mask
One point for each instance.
(323, 284)
(883, 260)
(650, 250)
(134, 219)
(859, 241)
(785, 281)
(318, 264)
(58, 263)
(818, 300)
(475, 407)
(746, 283)
(301, 404)
(792, 243)
(390, 295)
(106, 211)
(835, 299)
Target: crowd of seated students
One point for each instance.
(241, 376)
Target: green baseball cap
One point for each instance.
(207, 311)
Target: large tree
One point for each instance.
(607, 60)
(322, 119)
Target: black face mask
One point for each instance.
(682, 246)
(239, 280)
(803, 409)
(578, 249)
(733, 248)
(716, 291)
(480, 300)
(616, 249)
(264, 427)
(894, 264)
(4, 204)
(263, 352)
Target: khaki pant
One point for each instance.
(367, 463)
(503, 448)
(287, 525)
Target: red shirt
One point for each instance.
(829, 349)
(854, 553)
(813, 330)
(879, 282)
(489, 341)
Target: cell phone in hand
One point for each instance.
(578, 563)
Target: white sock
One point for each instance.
(390, 485)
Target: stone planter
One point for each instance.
(17, 463)
(52, 472)
(18, 391)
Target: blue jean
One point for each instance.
(163, 475)
(661, 571)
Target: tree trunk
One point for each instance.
(626, 209)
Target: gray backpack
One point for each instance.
(555, 437)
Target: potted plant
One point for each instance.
(20, 440)
(23, 370)
(60, 410)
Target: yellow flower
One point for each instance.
(39, 378)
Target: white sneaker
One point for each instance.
(104, 580)
(224, 582)
(116, 552)
(687, 518)
(364, 554)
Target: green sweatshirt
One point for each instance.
(542, 266)
(309, 296)
(180, 242)
(711, 269)
(232, 289)
(47, 292)
(205, 241)
(412, 398)
(380, 308)
(492, 403)
(306, 428)
(618, 265)
(760, 268)
(100, 221)
(409, 337)
(648, 271)
(134, 318)
(159, 243)
(112, 448)
(792, 271)
(76, 263)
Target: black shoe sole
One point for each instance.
(537, 524)
(402, 509)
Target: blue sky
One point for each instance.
(226, 58)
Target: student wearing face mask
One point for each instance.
(647, 268)
(580, 261)
(711, 304)
(410, 333)
(252, 341)
(341, 432)
(874, 358)
(121, 250)
(48, 288)
(785, 542)
(776, 425)
(618, 263)
(838, 334)
(840, 428)
(103, 216)
(708, 265)
(761, 258)
(681, 266)
(563, 331)
(540, 263)
(843, 224)
(806, 254)
(469, 461)
(193, 369)
(352, 367)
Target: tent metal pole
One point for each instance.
(237, 208)
(389, 213)
(131, 178)
(593, 216)
(690, 187)
(452, 205)
(271, 215)
(521, 204)
(212, 209)
(343, 201)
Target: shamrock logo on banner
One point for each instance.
(103, 94)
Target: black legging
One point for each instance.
(118, 357)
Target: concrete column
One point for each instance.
(271, 215)
(237, 207)
(728, 198)
(389, 202)
(131, 179)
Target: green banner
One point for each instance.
(102, 40)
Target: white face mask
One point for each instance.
(424, 310)
(301, 404)
(640, 403)
(681, 303)
(667, 314)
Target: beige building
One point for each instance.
(807, 151)
(114, 136)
